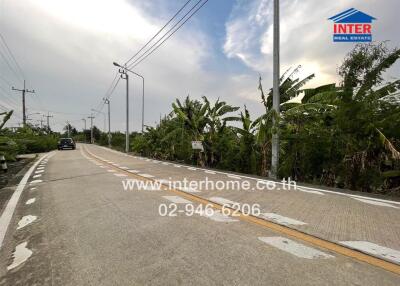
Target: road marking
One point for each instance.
(190, 190)
(282, 219)
(39, 171)
(177, 166)
(32, 189)
(177, 199)
(133, 171)
(374, 249)
(322, 243)
(294, 248)
(191, 169)
(120, 175)
(36, 176)
(20, 255)
(304, 188)
(12, 203)
(26, 220)
(146, 175)
(222, 201)
(308, 191)
(376, 203)
(218, 216)
(112, 171)
(35, 182)
(234, 177)
(30, 201)
(40, 168)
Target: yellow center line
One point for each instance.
(311, 239)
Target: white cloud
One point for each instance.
(67, 48)
(305, 34)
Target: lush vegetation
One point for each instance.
(24, 140)
(346, 136)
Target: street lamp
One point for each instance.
(125, 68)
(125, 76)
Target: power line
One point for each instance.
(9, 66)
(149, 51)
(110, 91)
(12, 56)
(173, 17)
(137, 62)
(114, 83)
(9, 96)
(5, 80)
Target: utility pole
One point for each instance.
(275, 94)
(48, 121)
(124, 75)
(123, 70)
(23, 101)
(142, 77)
(84, 129)
(41, 123)
(84, 120)
(142, 102)
(107, 101)
(127, 111)
(91, 128)
(68, 131)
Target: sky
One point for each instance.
(66, 48)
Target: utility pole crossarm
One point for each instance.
(23, 91)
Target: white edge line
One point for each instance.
(304, 187)
(8, 212)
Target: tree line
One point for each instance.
(345, 135)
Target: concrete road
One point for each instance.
(74, 224)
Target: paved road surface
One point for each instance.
(74, 224)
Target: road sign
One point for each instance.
(197, 145)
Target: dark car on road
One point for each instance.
(66, 143)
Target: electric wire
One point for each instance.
(170, 20)
(137, 62)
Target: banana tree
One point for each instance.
(216, 126)
(194, 116)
